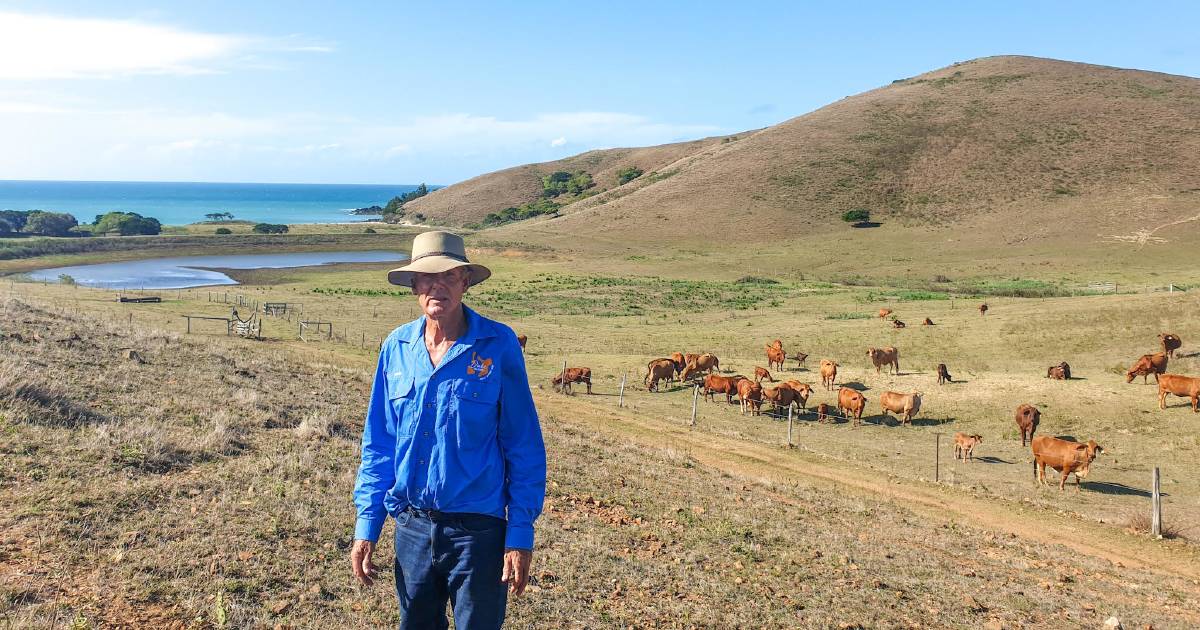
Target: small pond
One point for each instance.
(181, 272)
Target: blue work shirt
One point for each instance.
(461, 437)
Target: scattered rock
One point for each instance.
(281, 606)
(130, 354)
(1112, 623)
(972, 604)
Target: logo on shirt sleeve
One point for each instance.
(479, 366)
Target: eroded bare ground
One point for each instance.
(209, 485)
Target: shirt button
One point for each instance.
(420, 462)
(429, 405)
(426, 434)
(475, 395)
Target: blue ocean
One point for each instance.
(178, 203)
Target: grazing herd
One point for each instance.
(1065, 456)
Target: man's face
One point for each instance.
(440, 293)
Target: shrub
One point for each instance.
(522, 212)
(369, 231)
(224, 231)
(127, 224)
(626, 175)
(50, 223)
(857, 215)
(270, 228)
(66, 278)
(562, 182)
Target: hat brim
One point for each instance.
(403, 276)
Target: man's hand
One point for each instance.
(516, 569)
(360, 561)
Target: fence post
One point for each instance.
(695, 398)
(937, 457)
(789, 425)
(621, 396)
(562, 378)
(1156, 506)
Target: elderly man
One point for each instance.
(452, 450)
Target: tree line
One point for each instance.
(44, 223)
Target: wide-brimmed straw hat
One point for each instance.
(435, 252)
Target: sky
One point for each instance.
(403, 92)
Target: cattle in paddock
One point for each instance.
(1182, 386)
(983, 309)
(903, 405)
(964, 446)
(688, 358)
(884, 312)
(521, 339)
(823, 413)
(714, 384)
(885, 356)
(828, 373)
(1060, 372)
(1064, 456)
(1146, 365)
(803, 391)
(678, 359)
(775, 358)
(1027, 417)
(573, 375)
(761, 373)
(851, 404)
(897, 323)
(706, 362)
(659, 370)
(780, 397)
(799, 357)
(927, 322)
(750, 396)
(943, 374)
(1170, 343)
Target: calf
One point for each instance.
(943, 374)
(888, 356)
(884, 312)
(964, 445)
(760, 374)
(659, 370)
(573, 375)
(799, 357)
(897, 323)
(521, 339)
(750, 396)
(983, 309)
(1063, 456)
(1182, 386)
(927, 322)
(828, 373)
(822, 413)
(1027, 417)
(1170, 343)
(851, 404)
(903, 405)
(1146, 365)
(1060, 372)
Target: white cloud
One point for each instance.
(36, 46)
(558, 142)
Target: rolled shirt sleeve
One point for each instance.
(377, 472)
(521, 445)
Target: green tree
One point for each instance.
(224, 231)
(127, 224)
(50, 223)
(857, 215)
(270, 228)
(626, 175)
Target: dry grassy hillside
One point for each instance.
(1016, 147)
(470, 201)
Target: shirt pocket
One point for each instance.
(401, 395)
(478, 412)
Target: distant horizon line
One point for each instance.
(140, 181)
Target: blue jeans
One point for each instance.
(459, 557)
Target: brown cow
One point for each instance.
(521, 339)
(1170, 343)
(964, 445)
(803, 391)
(659, 370)
(750, 395)
(706, 362)
(828, 373)
(714, 384)
(885, 356)
(906, 405)
(897, 323)
(1182, 386)
(678, 359)
(574, 375)
(799, 357)
(927, 322)
(761, 373)
(780, 397)
(1063, 456)
(884, 312)
(983, 309)
(822, 413)
(777, 344)
(775, 357)
(943, 374)
(1146, 365)
(1027, 417)
(1060, 372)
(851, 403)
(688, 358)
